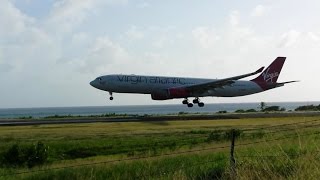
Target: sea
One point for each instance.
(140, 109)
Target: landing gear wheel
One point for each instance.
(185, 101)
(111, 97)
(200, 104)
(190, 105)
(196, 101)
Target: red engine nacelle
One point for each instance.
(171, 94)
(179, 92)
(160, 96)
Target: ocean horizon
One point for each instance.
(140, 109)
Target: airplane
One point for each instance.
(164, 88)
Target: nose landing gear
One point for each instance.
(111, 97)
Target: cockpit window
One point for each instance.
(99, 79)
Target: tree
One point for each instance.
(262, 106)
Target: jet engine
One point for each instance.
(171, 94)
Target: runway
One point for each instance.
(43, 121)
(18, 122)
(151, 119)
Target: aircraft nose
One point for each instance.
(97, 83)
(92, 83)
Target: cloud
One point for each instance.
(68, 14)
(289, 38)
(101, 56)
(12, 20)
(234, 18)
(259, 10)
(143, 5)
(80, 38)
(134, 34)
(204, 36)
(153, 57)
(22, 41)
(44, 54)
(160, 42)
(5, 67)
(314, 36)
(229, 35)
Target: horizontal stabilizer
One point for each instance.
(289, 82)
(283, 83)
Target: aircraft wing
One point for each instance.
(219, 83)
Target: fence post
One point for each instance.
(232, 160)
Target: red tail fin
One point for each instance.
(270, 74)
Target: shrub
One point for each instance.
(36, 154)
(182, 113)
(13, 156)
(219, 135)
(237, 132)
(200, 131)
(251, 110)
(272, 108)
(240, 111)
(215, 135)
(258, 134)
(80, 153)
(245, 111)
(308, 108)
(25, 117)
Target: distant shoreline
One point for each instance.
(159, 118)
(35, 113)
(155, 105)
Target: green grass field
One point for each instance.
(265, 148)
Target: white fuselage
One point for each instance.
(152, 84)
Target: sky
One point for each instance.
(51, 49)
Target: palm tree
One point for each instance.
(262, 106)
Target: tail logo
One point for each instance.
(268, 77)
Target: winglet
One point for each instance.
(259, 70)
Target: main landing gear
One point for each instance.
(111, 97)
(195, 101)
